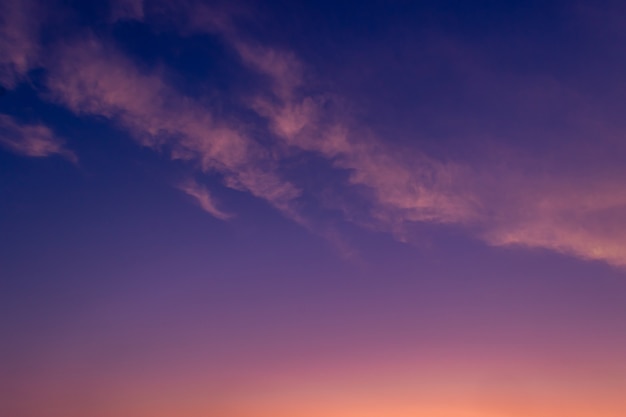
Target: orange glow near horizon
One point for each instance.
(457, 390)
(538, 398)
(447, 394)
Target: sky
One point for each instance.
(312, 208)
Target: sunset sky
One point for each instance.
(312, 208)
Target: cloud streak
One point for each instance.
(583, 218)
(91, 78)
(404, 184)
(19, 43)
(127, 10)
(204, 199)
(501, 202)
(555, 211)
(33, 140)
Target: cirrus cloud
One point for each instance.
(34, 140)
(499, 200)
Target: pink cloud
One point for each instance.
(584, 218)
(406, 185)
(503, 203)
(555, 211)
(283, 68)
(127, 9)
(19, 43)
(34, 140)
(204, 198)
(91, 78)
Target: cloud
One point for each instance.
(204, 198)
(404, 184)
(91, 78)
(19, 43)
(34, 140)
(558, 211)
(581, 218)
(127, 10)
(502, 201)
(282, 68)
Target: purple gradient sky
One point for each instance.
(305, 209)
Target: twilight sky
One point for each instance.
(312, 208)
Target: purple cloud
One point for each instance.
(204, 198)
(34, 140)
(503, 202)
(19, 43)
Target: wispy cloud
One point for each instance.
(19, 43)
(34, 140)
(503, 203)
(555, 211)
(581, 218)
(204, 198)
(405, 184)
(90, 77)
(127, 10)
